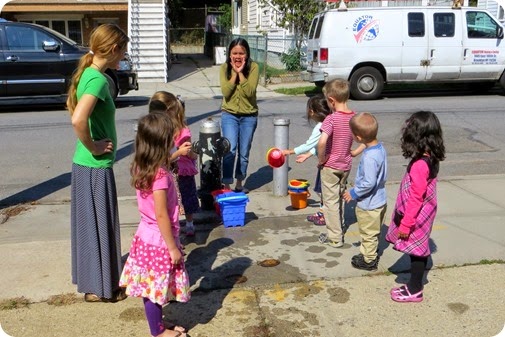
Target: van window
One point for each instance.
(416, 24)
(312, 28)
(480, 25)
(444, 24)
(319, 26)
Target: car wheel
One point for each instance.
(366, 83)
(320, 84)
(112, 87)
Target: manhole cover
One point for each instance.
(269, 263)
(236, 278)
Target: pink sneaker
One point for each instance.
(404, 295)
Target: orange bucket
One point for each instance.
(299, 199)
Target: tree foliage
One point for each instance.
(295, 14)
(224, 20)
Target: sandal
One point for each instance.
(398, 289)
(320, 221)
(92, 298)
(405, 296)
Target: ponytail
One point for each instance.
(84, 62)
(102, 41)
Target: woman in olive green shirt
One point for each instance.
(239, 116)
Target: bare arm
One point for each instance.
(80, 119)
(357, 151)
(321, 148)
(164, 224)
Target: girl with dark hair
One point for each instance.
(239, 78)
(416, 204)
(317, 110)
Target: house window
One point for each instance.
(69, 28)
(258, 16)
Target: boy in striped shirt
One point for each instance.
(335, 159)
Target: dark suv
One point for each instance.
(36, 61)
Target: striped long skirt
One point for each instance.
(95, 236)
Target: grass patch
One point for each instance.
(307, 90)
(270, 71)
(499, 261)
(132, 315)
(63, 299)
(14, 303)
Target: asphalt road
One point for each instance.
(36, 142)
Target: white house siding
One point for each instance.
(150, 43)
(493, 7)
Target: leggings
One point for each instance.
(154, 317)
(417, 267)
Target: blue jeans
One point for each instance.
(239, 130)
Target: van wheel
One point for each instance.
(502, 81)
(112, 87)
(366, 83)
(320, 84)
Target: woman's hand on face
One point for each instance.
(103, 146)
(238, 64)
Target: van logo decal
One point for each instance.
(365, 28)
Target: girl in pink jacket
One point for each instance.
(416, 203)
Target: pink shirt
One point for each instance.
(338, 146)
(186, 165)
(148, 230)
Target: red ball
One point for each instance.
(275, 158)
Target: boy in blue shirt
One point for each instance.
(369, 190)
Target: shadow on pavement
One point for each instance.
(214, 284)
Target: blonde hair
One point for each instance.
(101, 43)
(337, 89)
(173, 107)
(153, 142)
(364, 125)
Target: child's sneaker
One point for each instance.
(358, 262)
(190, 230)
(314, 217)
(323, 238)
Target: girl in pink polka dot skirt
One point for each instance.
(155, 267)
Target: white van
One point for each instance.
(373, 46)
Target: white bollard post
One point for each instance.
(281, 141)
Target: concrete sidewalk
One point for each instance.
(195, 76)
(314, 291)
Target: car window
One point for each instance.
(481, 25)
(26, 38)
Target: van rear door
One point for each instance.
(313, 41)
(445, 45)
(415, 46)
(483, 54)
